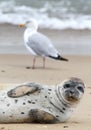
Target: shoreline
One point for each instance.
(68, 42)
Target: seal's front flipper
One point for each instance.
(24, 89)
(40, 116)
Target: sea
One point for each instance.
(55, 15)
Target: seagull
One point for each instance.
(38, 44)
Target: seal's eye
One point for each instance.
(67, 86)
(80, 88)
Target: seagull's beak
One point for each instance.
(21, 25)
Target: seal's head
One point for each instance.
(72, 90)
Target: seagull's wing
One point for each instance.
(41, 45)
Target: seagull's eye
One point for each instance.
(80, 88)
(67, 86)
(28, 22)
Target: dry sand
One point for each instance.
(13, 70)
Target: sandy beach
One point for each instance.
(67, 23)
(13, 71)
(15, 60)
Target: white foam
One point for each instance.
(11, 13)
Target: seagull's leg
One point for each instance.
(34, 60)
(44, 62)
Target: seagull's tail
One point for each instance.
(59, 58)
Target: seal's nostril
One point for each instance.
(71, 91)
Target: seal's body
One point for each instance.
(32, 102)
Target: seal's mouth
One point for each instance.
(72, 99)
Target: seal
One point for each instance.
(33, 102)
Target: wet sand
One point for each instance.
(13, 70)
(68, 41)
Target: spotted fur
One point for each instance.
(32, 102)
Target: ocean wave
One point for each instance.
(46, 16)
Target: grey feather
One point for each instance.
(41, 45)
